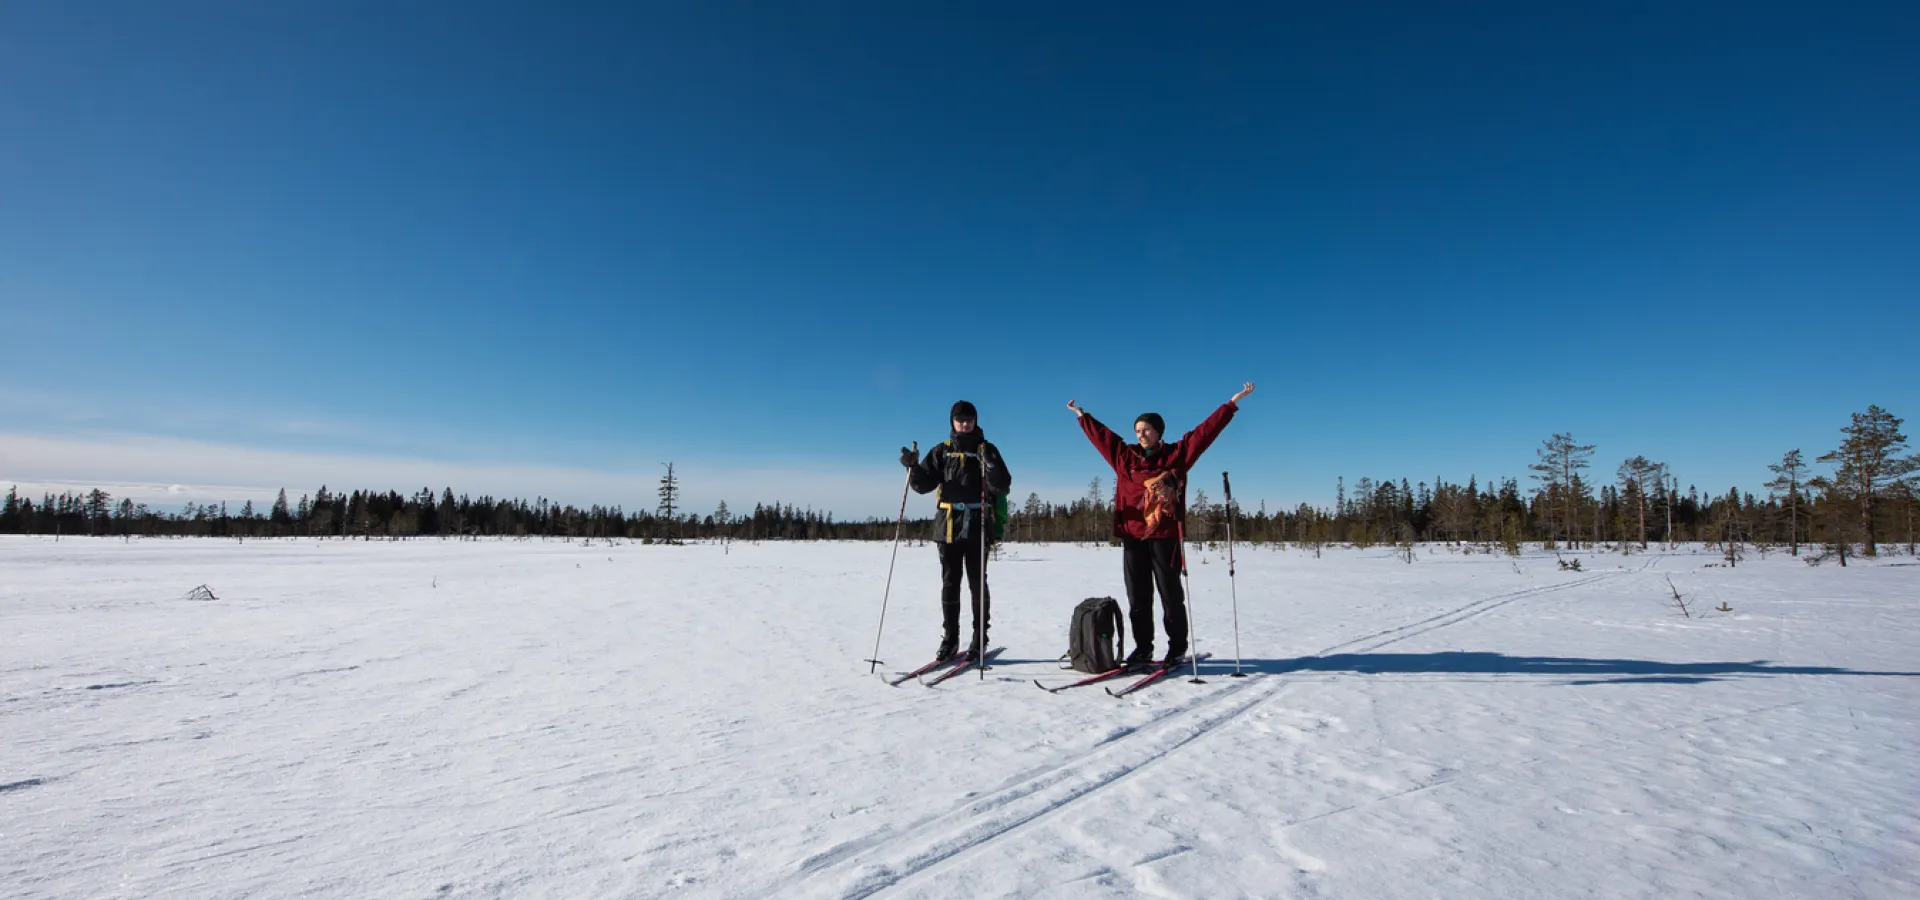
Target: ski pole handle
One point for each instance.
(1227, 486)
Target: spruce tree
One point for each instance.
(669, 497)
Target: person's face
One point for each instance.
(964, 426)
(1149, 438)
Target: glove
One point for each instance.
(907, 458)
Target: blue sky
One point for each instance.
(540, 249)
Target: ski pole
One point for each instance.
(897, 525)
(980, 595)
(1193, 639)
(1231, 584)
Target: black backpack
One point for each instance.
(1097, 637)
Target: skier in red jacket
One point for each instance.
(1149, 508)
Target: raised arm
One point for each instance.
(1103, 438)
(1196, 442)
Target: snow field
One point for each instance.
(553, 719)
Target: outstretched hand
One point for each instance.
(1076, 409)
(1244, 391)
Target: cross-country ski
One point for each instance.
(1095, 678)
(1159, 672)
(903, 677)
(967, 663)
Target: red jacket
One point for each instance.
(1132, 467)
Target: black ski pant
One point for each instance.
(954, 558)
(1149, 562)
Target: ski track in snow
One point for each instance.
(538, 719)
(1456, 616)
(865, 867)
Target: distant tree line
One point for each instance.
(1865, 498)
(1868, 498)
(378, 515)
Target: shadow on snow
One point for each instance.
(1580, 670)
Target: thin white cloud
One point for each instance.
(128, 413)
(307, 427)
(164, 471)
(16, 402)
(160, 497)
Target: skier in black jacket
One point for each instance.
(954, 467)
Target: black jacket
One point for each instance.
(953, 468)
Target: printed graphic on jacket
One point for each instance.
(1163, 497)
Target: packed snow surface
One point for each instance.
(543, 718)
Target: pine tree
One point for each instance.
(1789, 474)
(1453, 510)
(1868, 464)
(1561, 461)
(1835, 516)
(98, 504)
(1908, 500)
(1032, 514)
(1634, 476)
(1365, 502)
(124, 514)
(1730, 526)
(1669, 495)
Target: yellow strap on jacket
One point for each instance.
(966, 519)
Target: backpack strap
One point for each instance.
(954, 448)
(967, 511)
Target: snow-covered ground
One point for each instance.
(546, 719)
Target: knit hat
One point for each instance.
(1153, 421)
(963, 410)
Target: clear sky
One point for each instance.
(539, 249)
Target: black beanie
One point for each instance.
(963, 410)
(1153, 419)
